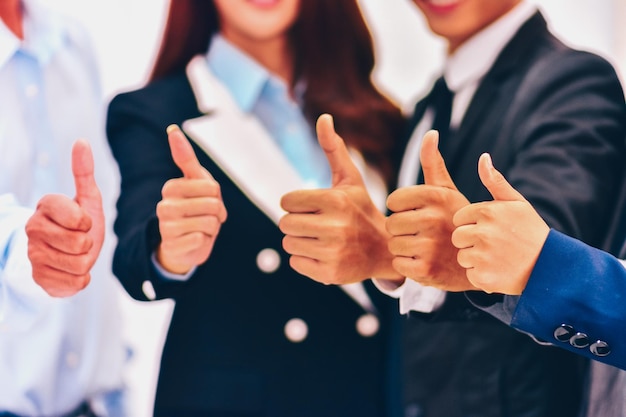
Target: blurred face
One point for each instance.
(459, 20)
(246, 22)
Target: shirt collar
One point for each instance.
(477, 55)
(44, 34)
(240, 73)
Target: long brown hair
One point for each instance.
(334, 56)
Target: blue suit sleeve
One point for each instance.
(575, 298)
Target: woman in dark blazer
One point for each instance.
(249, 336)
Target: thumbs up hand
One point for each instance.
(499, 241)
(65, 236)
(421, 226)
(336, 235)
(191, 211)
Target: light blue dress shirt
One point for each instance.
(257, 91)
(266, 96)
(54, 353)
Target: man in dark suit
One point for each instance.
(554, 121)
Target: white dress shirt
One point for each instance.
(54, 352)
(463, 72)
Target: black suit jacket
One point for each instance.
(553, 120)
(226, 353)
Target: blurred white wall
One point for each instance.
(126, 33)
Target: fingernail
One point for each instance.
(488, 159)
(171, 128)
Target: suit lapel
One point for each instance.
(489, 91)
(238, 143)
(244, 150)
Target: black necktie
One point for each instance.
(440, 102)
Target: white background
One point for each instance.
(126, 34)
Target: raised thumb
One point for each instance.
(342, 168)
(83, 171)
(183, 154)
(495, 182)
(433, 165)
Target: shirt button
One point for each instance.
(31, 90)
(296, 330)
(43, 159)
(72, 360)
(268, 260)
(367, 325)
(148, 290)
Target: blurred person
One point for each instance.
(61, 351)
(551, 116)
(245, 81)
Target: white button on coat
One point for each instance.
(268, 260)
(296, 330)
(367, 325)
(148, 290)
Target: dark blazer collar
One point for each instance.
(514, 56)
(524, 41)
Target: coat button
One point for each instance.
(600, 348)
(564, 332)
(367, 325)
(268, 260)
(579, 340)
(296, 330)
(148, 290)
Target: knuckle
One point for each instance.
(337, 199)
(169, 187)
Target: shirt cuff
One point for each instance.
(413, 296)
(166, 275)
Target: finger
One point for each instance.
(409, 267)
(209, 225)
(343, 170)
(404, 223)
(305, 201)
(300, 225)
(190, 207)
(61, 239)
(183, 154)
(58, 283)
(465, 259)
(190, 188)
(406, 198)
(433, 165)
(305, 246)
(495, 182)
(306, 266)
(403, 246)
(47, 257)
(464, 236)
(59, 210)
(187, 243)
(83, 171)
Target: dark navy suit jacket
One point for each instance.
(554, 121)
